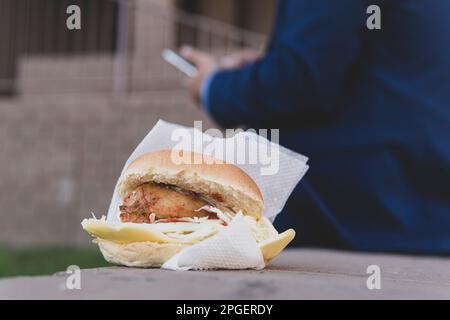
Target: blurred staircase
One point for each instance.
(66, 135)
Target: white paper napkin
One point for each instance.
(234, 247)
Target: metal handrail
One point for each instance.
(122, 74)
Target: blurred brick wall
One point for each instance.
(61, 155)
(66, 136)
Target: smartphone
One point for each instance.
(179, 62)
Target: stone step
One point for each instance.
(98, 73)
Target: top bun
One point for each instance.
(223, 184)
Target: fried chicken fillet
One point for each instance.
(165, 202)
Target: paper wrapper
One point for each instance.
(234, 247)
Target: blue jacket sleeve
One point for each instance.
(304, 70)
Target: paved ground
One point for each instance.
(296, 274)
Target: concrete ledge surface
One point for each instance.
(295, 274)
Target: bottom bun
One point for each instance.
(138, 254)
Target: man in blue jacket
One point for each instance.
(371, 108)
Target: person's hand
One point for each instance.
(239, 59)
(205, 64)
